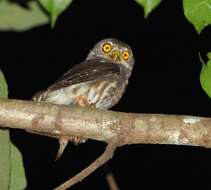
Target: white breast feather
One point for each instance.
(66, 96)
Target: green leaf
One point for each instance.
(55, 8)
(198, 12)
(12, 176)
(209, 55)
(148, 5)
(4, 160)
(205, 76)
(17, 18)
(4, 144)
(17, 174)
(3, 86)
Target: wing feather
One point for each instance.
(89, 70)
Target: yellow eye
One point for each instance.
(125, 55)
(107, 47)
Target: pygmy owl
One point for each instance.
(98, 82)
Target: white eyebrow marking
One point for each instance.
(124, 49)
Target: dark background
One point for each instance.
(165, 80)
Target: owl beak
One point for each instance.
(115, 55)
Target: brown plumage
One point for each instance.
(98, 82)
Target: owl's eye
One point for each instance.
(107, 47)
(125, 55)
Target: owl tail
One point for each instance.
(63, 141)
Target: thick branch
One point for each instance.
(129, 128)
(115, 128)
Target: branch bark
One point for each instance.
(130, 128)
(107, 126)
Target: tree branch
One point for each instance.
(107, 126)
(111, 181)
(130, 128)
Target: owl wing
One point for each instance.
(89, 70)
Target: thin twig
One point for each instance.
(111, 181)
(107, 155)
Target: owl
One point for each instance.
(98, 82)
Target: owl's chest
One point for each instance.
(97, 94)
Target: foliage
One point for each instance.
(55, 8)
(205, 75)
(198, 12)
(11, 166)
(16, 18)
(3, 86)
(148, 5)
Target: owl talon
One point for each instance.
(76, 140)
(63, 141)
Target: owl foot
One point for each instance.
(78, 140)
(63, 141)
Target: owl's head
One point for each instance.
(113, 50)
